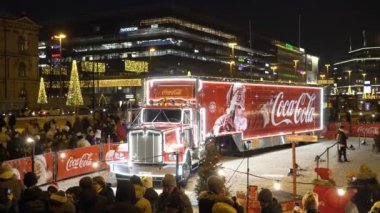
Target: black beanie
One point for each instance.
(30, 179)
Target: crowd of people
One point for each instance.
(53, 137)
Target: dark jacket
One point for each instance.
(108, 193)
(151, 195)
(184, 199)
(342, 138)
(32, 200)
(273, 207)
(207, 200)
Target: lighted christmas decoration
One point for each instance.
(42, 98)
(90, 66)
(209, 165)
(136, 66)
(74, 96)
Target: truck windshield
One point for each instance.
(161, 115)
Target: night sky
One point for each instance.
(326, 25)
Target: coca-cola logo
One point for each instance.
(171, 92)
(295, 111)
(75, 163)
(367, 131)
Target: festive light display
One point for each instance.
(74, 96)
(54, 70)
(42, 98)
(136, 66)
(90, 66)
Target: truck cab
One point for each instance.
(163, 140)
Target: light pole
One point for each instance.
(327, 69)
(231, 64)
(274, 68)
(232, 45)
(60, 37)
(364, 74)
(151, 51)
(349, 82)
(31, 141)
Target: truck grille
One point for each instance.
(146, 148)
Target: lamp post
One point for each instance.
(349, 82)
(60, 37)
(327, 69)
(232, 62)
(274, 68)
(364, 74)
(151, 51)
(31, 141)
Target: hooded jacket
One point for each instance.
(142, 203)
(207, 200)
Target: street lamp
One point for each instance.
(60, 36)
(232, 45)
(151, 51)
(364, 74)
(295, 64)
(327, 69)
(31, 141)
(349, 82)
(231, 64)
(274, 68)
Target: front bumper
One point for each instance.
(157, 171)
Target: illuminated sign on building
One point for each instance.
(128, 29)
(367, 87)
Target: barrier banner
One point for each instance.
(110, 154)
(76, 162)
(43, 166)
(363, 130)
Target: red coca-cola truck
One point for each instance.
(180, 115)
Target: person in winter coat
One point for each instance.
(101, 188)
(268, 203)
(368, 188)
(342, 144)
(7, 202)
(125, 198)
(142, 203)
(58, 202)
(169, 185)
(89, 200)
(375, 208)
(310, 202)
(31, 198)
(8, 180)
(216, 195)
(325, 187)
(150, 194)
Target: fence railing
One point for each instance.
(55, 166)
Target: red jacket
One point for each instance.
(330, 201)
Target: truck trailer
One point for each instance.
(181, 114)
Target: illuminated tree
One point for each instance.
(209, 165)
(42, 98)
(74, 96)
